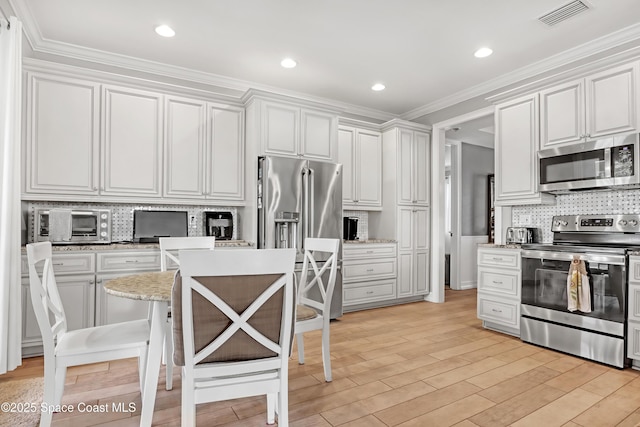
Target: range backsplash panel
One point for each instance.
(122, 216)
(579, 203)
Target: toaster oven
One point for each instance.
(70, 226)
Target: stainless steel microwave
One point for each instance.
(67, 226)
(604, 163)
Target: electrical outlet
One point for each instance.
(192, 221)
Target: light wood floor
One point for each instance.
(419, 364)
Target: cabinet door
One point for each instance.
(406, 164)
(422, 272)
(562, 115)
(612, 100)
(421, 228)
(369, 168)
(226, 156)
(62, 127)
(406, 274)
(112, 309)
(319, 132)
(131, 135)
(422, 167)
(346, 156)
(184, 148)
(280, 131)
(515, 153)
(405, 229)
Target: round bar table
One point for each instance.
(154, 287)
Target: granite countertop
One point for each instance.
(369, 241)
(139, 246)
(153, 286)
(496, 245)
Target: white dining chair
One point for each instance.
(312, 314)
(63, 348)
(169, 247)
(233, 327)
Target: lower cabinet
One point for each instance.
(369, 275)
(499, 289)
(633, 322)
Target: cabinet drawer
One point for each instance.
(509, 258)
(129, 261)
(358, 270)
(501, 282)
(377, 290)
(67, 263)
(634, 302)
(634, 269)
(499, 311)
(365, 250)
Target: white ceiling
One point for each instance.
(422, 50)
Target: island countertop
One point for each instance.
(138, 246)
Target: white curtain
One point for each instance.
(10, 223)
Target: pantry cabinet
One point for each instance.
(131, 142)
(413, 166)
(413, 251)
(203, 150)
(360, 152)
(601, 104)
(516, 148)
(62, 130)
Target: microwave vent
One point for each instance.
(563, 13)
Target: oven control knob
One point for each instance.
(563, 223)
(633, 222)
(622, 222)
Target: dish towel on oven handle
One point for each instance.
(578, 289)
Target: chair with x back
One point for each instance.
(169, 247)
(313, 314)
(233, 325)
(63, 348)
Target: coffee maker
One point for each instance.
(219, 224)
(350, 228)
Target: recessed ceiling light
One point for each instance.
(288, 63)
(165, 31)
(378, 87)
(483, 52)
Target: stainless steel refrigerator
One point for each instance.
(299, 199)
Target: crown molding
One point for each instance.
(602, 44)
(394, 123)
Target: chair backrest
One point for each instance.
(233, 305)
(168, 244)
(312, 278)
(45, 298)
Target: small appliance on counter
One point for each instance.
(149, 226)
(522, 235)
(350, 228)
(72, 226)
(219, 224)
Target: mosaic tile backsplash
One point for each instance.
(581, 203)
(363, 222)
(122, 216)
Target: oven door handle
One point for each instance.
(568, 256)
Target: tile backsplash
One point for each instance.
(122, 216)
(580, 203)
(363, 222)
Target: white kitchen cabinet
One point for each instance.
(499, 289)
(62, 135)
(369, 274)
(204, 150)
(76, 286)
(601, 104)
(516, 147)
(413, 251)
(285, 127)
(360, 152)
(131, 142)
(633, 321)
(413, 167)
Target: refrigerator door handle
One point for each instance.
(305, 210)
(311, 226)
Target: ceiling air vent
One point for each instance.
(563, 12)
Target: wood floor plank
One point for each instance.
(561, 410)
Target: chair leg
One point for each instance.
(168, 354)
(188, 416)
(283, 405)
(300, 341)
(142, 367)
(61, 373)
(272, 399)
(326, 354)
(49, 396)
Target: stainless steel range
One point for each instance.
(603, 243)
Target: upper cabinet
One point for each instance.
(516, 147)
(131, 142)
(413, 175)
(360, 152)
(600, 104)
(62, 126)
(285, 128)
